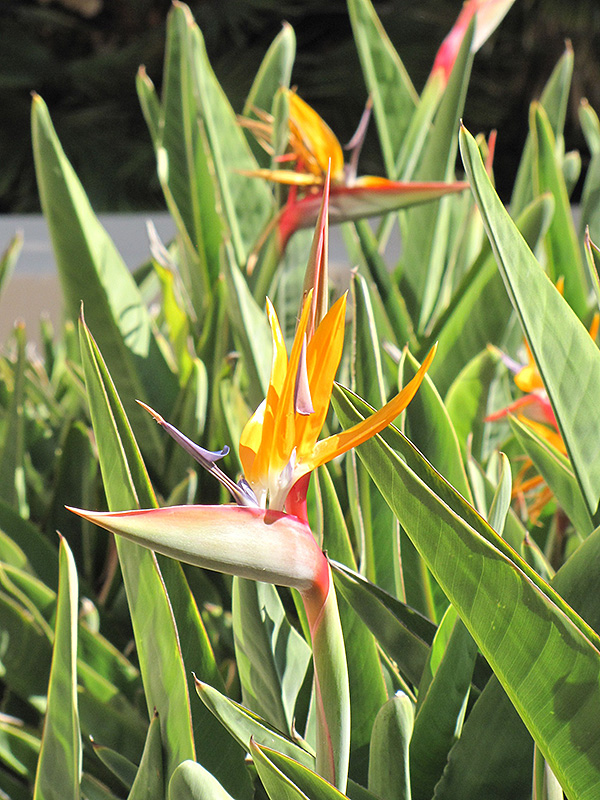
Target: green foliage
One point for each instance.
(456, 654)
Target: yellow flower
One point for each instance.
(279, 445)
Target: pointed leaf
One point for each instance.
(272, 657)
(367, 686)
(554, 100)
(563, 252)
(425, 229)
(92, 271)
(149, 781)
(12, 452)
(244, 725)
(59, 765)
(387, 81)
(567, 359)
(274, 72)
(8, 260)
(443, 695)
(546, 657)
(403, 633)
(495, 750)
(191, 781)
(126, 484)
(247, 203)
(389, 775)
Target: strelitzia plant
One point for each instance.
(265, 536)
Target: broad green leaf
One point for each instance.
(389, 774)
(157, 597)
(59, 766)
(247, 202)
(567, 359)
(149, 780)
(554, 100)
(443, 694)
(557, 473)
(480, 309)
(494, 755)
(92, 272)
(562, 249)
(403, 633)
(545, 656)
(425, 228)
(430, 428)
(245, 725)
(186, 178)
(274, 72)
(39, 551)
(388, 83)
(371, 515)
(191, 781)
(252, 331)
(127, 486)
(367, 687)
(272, 657)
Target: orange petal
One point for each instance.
(528, 378)
(544, 432)
(257, 468)
(286, 176)
(323, 359)
(281, 442)
(317, 136)
(342, 442)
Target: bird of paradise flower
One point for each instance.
(265, 535)
(312, 145)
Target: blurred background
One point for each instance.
(82, 57)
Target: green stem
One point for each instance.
(332, 691)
